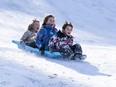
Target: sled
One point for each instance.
(35, 50)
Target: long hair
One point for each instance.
(66, 24)
(46, 19)
(30, 27)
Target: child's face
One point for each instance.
(36, 26)
(51, 21)
(68, 30)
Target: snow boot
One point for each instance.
(79, 56)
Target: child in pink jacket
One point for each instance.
(63, 42)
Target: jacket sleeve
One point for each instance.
(24, 37)
(52, 42)
(40, 38)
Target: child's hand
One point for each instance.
(33, 38)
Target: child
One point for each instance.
(63, 42)
(30, 35)
(46, 32)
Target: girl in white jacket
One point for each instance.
(30, 35)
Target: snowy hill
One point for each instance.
(94, 27)
(95, 20)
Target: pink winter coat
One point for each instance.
(59, 40)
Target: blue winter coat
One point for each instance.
(44, 35)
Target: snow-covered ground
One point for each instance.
(23, 69)
(95, 23)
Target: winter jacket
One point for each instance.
(29, 37)
(59, 40)
(44, 35)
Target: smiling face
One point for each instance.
(68, 30)
(36, 26)
(51, 21)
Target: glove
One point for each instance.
(39, 46)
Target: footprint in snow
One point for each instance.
(53, 76)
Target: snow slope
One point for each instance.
(95, 20)
(23, 69)
(95, 23)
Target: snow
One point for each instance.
(94, 27)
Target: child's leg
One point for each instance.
(33, 44)
(66, 52)
(76, 48)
